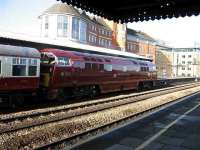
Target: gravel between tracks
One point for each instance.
(33, 137)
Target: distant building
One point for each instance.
(140, 43)
(64, 22)
(164, 61)
(178, 62)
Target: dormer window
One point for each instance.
(62, 25)
(46, 22)
(75, 28)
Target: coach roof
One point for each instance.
(10, 50)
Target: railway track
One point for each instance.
(19, 122)
(16, 121)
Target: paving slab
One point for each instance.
(154, 146)
(170, 140)
(131, 142)
(170, 147)
(118, 147)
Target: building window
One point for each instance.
(183, 74)
(95, 39)
(75, 28)
(131, 47)
(62, 25)
(183, 68)
(189, 68)
(109, 43)
(83, 27)
(189, 75)
(46, 25)
(92, 27)
(183, 62)
(102, 31)
(102, 42)
(189, 56)
(99, 41)
(46, 22)
(189, 62)
(90, 38)
(183, 56)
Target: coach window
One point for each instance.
(124, 68)
(94, 66)
(19, 67)
(0, 67)
(101, 67)
(88, 66)
(32, 68)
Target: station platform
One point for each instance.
(176, 128)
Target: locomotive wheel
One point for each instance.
(16, 100)
(140, 87)
(93, 91)
(63, 95)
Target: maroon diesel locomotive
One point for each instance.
(65, 73)
(59, 74)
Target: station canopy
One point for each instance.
(138, 10)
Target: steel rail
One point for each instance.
(43, 111)
(114, 125)
(98, 107)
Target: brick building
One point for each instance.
(178, 62)
(140, 43)
(64, 22)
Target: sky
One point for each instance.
(177, 32)
(21, 16)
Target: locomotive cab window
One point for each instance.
(63, 61)
(19, 67)
(47, 58)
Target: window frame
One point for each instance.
(0, 66)
(62, 20)
(58, 62)
(34, 64)
(19, 62)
